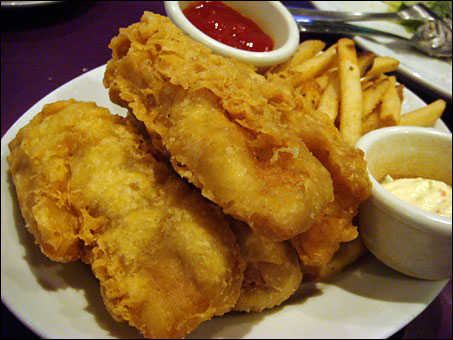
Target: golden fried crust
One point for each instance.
(318, 245)
(221, 124)
(165, 258)
(272, 271)
(40, 174)
(347, 254)
(352, 186)
(345, 163)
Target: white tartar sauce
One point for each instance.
(427, 194)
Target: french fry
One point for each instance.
(313, 67)
(323, 80)
(350, 90)
(329, 101)
(365, 61)
(390, 113)
(382, 65)
(372, 121)
(400, 91)
(425, 116)
(370, 81)
(306, 50)
(311, 92)
(372, 96)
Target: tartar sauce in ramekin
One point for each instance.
(427, 194)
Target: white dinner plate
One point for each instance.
(433, 73)
(367, 300)
(21, 4)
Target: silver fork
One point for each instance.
(431, 38)
(416, 12)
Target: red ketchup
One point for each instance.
(228, 26)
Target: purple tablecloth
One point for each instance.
(45, 46)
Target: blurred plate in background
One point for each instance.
(26, 3)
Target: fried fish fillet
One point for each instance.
(220, 124)
(89, 188)
(347, 254)
(347, 166)
(345, 163)
(272, 272)
(352, 186)
(318, 245)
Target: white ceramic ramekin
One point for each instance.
(271, 16)
(404, 237)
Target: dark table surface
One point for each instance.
(45, 46)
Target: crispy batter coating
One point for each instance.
(347, 254)
(272, 272)
(89, 188)
(222, 126)
(318, 244)
(346, 163)
(352, 186)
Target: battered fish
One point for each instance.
(352, 186)
(345, 163)
(220, 123)
(272, 272)
(317, 246)
(347, 254)
(89, 188)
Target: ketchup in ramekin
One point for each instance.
(228, 26)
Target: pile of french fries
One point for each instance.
(352, 88)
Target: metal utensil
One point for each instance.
(416, 12)
(433, 38)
